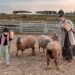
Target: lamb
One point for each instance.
(43, 40)
(53, 50)
(25, 43)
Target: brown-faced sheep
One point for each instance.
(53, 51)
(43, 40)
(25, 43)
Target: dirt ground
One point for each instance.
(27, 64)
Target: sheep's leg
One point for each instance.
(48, 60)
(39, 49)
(56, 63)
(17, 53)
(33, 50)
(56, 59)
(43, 50)
(22, 52)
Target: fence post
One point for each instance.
(45, 29)
(20, 27)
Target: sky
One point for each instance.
(7, 6)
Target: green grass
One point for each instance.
(35, 17)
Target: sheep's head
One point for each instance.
(55, 37)
(19, 40)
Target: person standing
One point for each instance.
(67, 37)
(0, 50)
(4, 45)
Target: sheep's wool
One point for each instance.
(22, 40)
(50, 45)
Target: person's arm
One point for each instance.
(10, 39)
(71, 24)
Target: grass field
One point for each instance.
(35, 17)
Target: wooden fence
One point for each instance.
(31, 27)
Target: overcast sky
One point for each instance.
(36, 5)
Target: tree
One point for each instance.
(16, 12)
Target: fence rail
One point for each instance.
(31, 27)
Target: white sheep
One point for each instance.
(43, 40)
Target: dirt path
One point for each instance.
(34, 65)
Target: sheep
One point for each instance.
(43, 40)
(25, 43)
(53, 50)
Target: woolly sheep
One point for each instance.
(43, 40)
(53, 51)
(25, 43)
